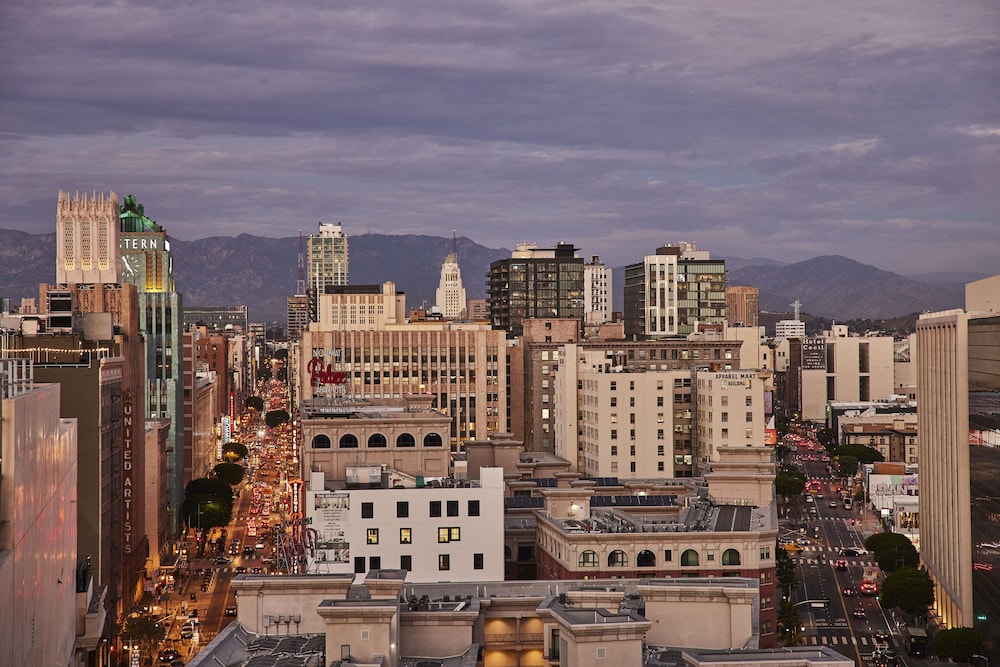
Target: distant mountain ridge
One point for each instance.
(262, 272)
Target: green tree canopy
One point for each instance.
(892, 551)
(789, 482)
(255, 402)
(210, 486)
(144, 629)
(230, 473)
(908, 589)
(276, 417)
(848, 465)
(959, 644)
(826, 437)
(204, 512)
(281, 353)
(234, 451)
(862, 453)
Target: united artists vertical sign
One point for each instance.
(128, 469)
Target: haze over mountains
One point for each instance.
(262, 272)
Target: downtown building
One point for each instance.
(147, 264)
(327, 261)
(535, 282)
(672, 291)
(362, 347)
(597, 292)
(449, 298)
(958, 417)
(742, 305)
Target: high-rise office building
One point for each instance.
(296, 316)
(535, 282)
(87, 238)
(450, 295)
(597, 288)
(742, 305)
(958, 418)
(326, 263)
(668, 293)
(146, 262)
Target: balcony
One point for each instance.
(513, 639)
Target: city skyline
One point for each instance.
(755, 131)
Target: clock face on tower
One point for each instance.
(129, 265)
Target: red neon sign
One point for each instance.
(320, 374)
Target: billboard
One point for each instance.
(330, 516)
(814, 354)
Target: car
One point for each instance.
(850, 591)
(248, 550)
(204, 588)
(850, 551)
(259, 545)
(803, 541)
(240, 570)
(231, 610)
(791, 547)
(187, 634)
(168, 654)
(222, 560)
(832, 504)
(809, 499)
(841, 564)
(859, 612)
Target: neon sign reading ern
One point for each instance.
(324, 374)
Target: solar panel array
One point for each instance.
(633, 501)
(523, 502)
(607, 481)
(543, 482)
(732, 518)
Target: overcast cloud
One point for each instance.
(774, 129)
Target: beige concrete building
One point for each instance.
(742, 305)
(730, 410)
(895, 437)
(461, 365)
(841, 367)
(87, 231)
(38, 517)
(958, 372)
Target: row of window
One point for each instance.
(646, 558)
(434, 508)
(445, 535)
(376, 440)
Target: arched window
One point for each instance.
(377, 440)
(507, 553)
(730, 557)
(432, 440)
(406, 440)
(321, 441)
(617, 558)
(349, 441)
(689, 558)
(588, 558)
(646, 558)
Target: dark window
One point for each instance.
(349, 441)
(406, 563)
(432, 440)
(444, 562)
(321, 442)
(452, 508)
(473, 508)
(402, 509)
(374, 562)
(435, 509)
(477, 561)
(405, 440)
(525, 553)
(367, 510)
(377, 440)
(359, 565)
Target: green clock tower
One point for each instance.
(147, 264)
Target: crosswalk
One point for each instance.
(841, 640)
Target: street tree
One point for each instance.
(862, 453)
(957, 644)
(789, 482)
(908, 589)
(826, 437)
(848, 465)
(210, 486)
(255, 402)
(143, 629)
(234, 451)
(230, 473)
(892, 551)
(276, 417)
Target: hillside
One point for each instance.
(261, 273)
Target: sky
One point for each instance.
(775, 129)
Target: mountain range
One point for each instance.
(262, 272)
